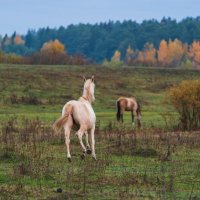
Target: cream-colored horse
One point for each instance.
(128, 104)
(79, 115)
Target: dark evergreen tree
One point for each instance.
(99, 41)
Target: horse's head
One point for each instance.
(88, 91)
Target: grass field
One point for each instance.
(42, 90)
(157, 162)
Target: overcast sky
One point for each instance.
(21, 15)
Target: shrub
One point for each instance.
(185, 97)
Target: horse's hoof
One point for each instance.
(89, 151)
(94, 157)
(83, 156)
(69, 159)
(59, 190)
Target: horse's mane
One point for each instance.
(87, 96)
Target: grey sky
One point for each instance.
(21, 15)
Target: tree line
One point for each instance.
(100, 41)
(169, 54)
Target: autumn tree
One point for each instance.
(115, 60)
(116, 57)
(53, 52)
(17, 40)
(176, 52)
(149, 55)
(131, 55)
(163, 53)
(171, 53)
(186, 100)
(194, 53)
(140, 58)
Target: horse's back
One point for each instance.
(82, 113)
(128, 103)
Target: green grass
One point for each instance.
(53, 86)
(131, 163)
(118, 173)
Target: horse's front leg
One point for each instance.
(93, 142)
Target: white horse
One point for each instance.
(79, 115)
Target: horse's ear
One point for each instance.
(84, 78)
(92, 78)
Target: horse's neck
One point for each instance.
(87, 96)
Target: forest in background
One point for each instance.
(165, 43)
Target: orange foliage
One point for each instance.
(149, 54)
(18, 40)
(175, 52)
(171, 53)
(140, 58)
(194, 53)
(163, 53)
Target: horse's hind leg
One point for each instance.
(87, 143)
(121, 116)
(67, 142)
(93, 142)
(80, 137)
(132, 116)
(139, 119)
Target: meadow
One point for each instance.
(158, 161)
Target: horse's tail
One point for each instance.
(118, 110)
(58, 124)
(138, 111)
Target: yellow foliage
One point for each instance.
(53, 52)
(129, 55)
(53, 47)
(194, 53)
(186, 99)
(116, 56)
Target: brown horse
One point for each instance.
(128, 104)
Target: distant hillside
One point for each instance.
(99, 41)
